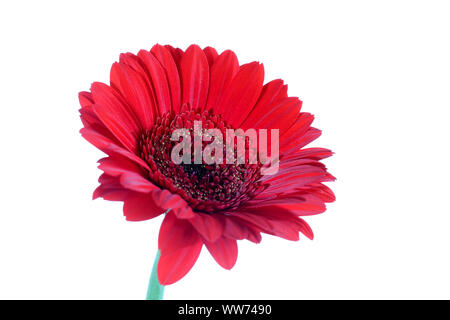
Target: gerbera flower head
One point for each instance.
(154, 93)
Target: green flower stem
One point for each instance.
(155, 290)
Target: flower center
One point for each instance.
(206, 187)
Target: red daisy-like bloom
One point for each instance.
(154, 92)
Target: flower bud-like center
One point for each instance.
(205, 186)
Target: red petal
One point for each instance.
(167, 200)
(133, 62)
(166, 60)
(223, 71)
(254, 235)
(90, 119)
(110, 194)
(280, 115)
(175, 234)
(85, 99)
(234, 229)
(314, 153)
(117, 165)
(136, 182)
(301, 204)
(209, 226)
(114, 115)
(241, 96)
(137, 65)
(310, 135)
(273, 220)
(305, 229)
(98, 139)
(177, 54)
(108, 146)
(298, 140)
(281, 228)
(134, 89)
(211, 55)
(158, 81)
(238, 230)
(296, 178)
(271, 93)
(180, 246)
(290, 140)
(129, 172)
(224, 251)
(110, 189)
(140, 206)
(195, 77)
(310, 206)
(323, 192)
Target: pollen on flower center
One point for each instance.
(206, 187)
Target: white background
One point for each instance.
(375, 73)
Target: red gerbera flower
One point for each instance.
(154, 92)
